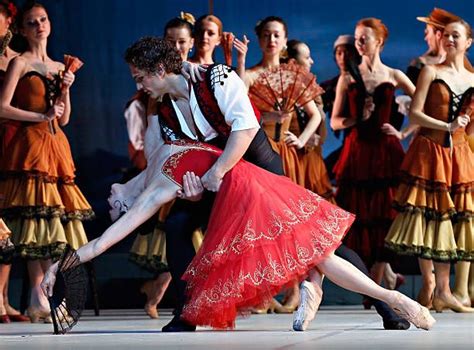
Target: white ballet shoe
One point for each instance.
(310, 299)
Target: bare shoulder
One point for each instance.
(18, 64)
(344, 80)
(430, 71)
(251, 74)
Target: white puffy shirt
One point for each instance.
(233, 102)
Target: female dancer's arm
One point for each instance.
(159, 192)
(338, 120)
(242, 48)
(16, 69)
(404, 83)
(67, 81)
(315, 118)
(417, 114)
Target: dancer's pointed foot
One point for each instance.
(310, 299)
(412, 311)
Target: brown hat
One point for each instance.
(439, 18)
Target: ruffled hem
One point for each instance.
(36, 197)
(154, 264)
(436, 239)
(39, 238)
(436, 200)
(47, 213)
(7, 249)
(149, 250)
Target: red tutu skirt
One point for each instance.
(264, 232)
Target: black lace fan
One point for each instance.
(69, 293)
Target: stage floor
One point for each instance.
(336, 327)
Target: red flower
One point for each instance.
(12, 9)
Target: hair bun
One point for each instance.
(186, 16)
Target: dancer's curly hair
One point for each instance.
(149, 52)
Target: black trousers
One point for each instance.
(185, 216)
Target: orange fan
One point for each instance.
(71, 64)
(227, 43)
(283, 88)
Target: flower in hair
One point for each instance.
(12, 9)
(186, 16)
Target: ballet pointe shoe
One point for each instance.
(440, 303)
(310, 299)
(421, 317)
(37, 315)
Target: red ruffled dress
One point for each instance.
(367, 173)
(264, 232)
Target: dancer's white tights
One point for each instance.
(347, 276)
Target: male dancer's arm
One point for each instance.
(235, 105)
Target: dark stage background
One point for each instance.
(99, 31)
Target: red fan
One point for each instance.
(283, 88)
(227, 43)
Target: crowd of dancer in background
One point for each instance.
(418, 201)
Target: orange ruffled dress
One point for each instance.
(311, 160)
(39, 200)
(264, 232)
(436, 195)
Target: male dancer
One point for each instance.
(216, 110)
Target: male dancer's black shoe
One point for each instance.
(178, 325)
(390, 319)
(396, 323)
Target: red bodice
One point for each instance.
(383, 98)
(198, 158)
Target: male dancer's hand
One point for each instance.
(192, 188)
(211, 180)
